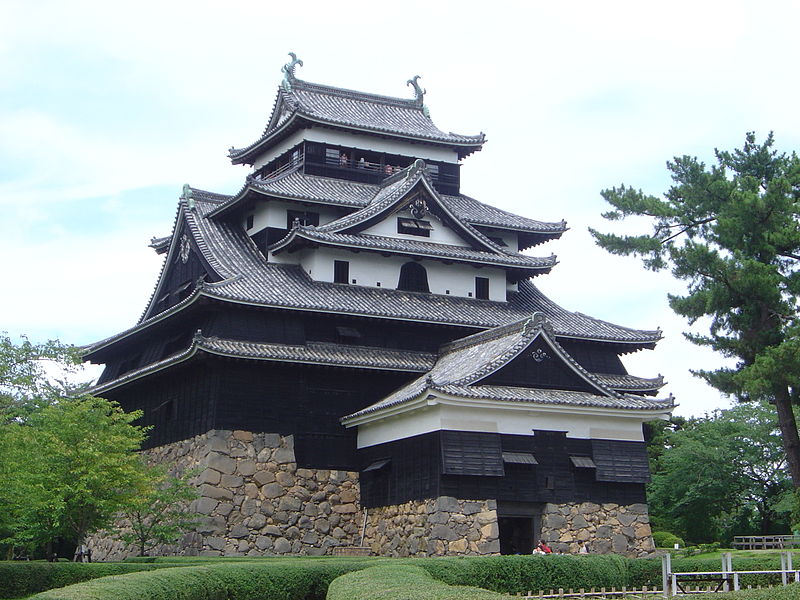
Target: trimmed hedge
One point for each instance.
(402, 582)
(23, 578)
(283, 578)
(513, 574)
(264, 580)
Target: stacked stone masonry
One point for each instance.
(444, 526)
(605, 527)
(254, 501)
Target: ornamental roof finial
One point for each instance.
(188, 195)
(288, 71)
(419, 93)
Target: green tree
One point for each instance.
(720, 475)
(69, 462)
(732, 232)
(71, 466)
(23, 380)
(161, 515)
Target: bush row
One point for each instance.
(22, 578)
(264, 580)
(190, 578)
(513, 574)
(402, 582)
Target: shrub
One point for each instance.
(513, 574)
(23, 578)
(665, 539)
(402, 582)
(243, 580)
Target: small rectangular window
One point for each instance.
(414, 227)
(303, 217)
(347, 332)
(341, 271)
(482, 288)
(249, 224)
(582, 462)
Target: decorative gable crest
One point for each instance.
(418, 207)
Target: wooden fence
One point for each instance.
(766, 542)
(676, 583)
(623, 593)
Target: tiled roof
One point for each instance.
(295, 185)
(392, 194)
(631, 382)
(396, 191)
(478, 213)
(246, 277)
(319, 353)
(324, 353)
(350, 109)
(562, 397)
(463, 363)
(418, 248)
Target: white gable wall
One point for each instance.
(272, 213)
(440, 234)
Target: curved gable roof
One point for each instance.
(307, 102)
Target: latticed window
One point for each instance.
(413, 278)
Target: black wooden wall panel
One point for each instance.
(595, 358)
(549, 372)
(411, 475)
(177, 405)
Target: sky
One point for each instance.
(108, 108)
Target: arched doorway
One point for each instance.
(413, 278)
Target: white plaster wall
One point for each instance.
(440, 234)
(272, 213)
(514, 419)
(368, 142)
(370, 268)
(275, 151)
(509, 237)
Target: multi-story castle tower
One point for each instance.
(352, 352)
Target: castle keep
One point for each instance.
(351, 351)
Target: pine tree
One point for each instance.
(732, 232)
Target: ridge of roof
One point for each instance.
(322, 88)
(321, 353)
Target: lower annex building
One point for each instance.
(351, 352)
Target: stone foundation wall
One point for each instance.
(254, 500)
(438, 527)
(606, 527)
